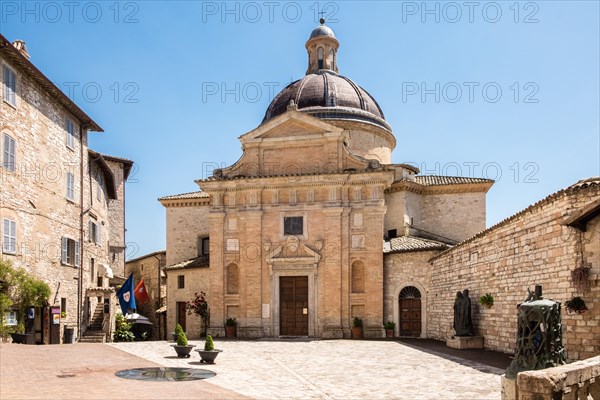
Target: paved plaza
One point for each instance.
(320, 369)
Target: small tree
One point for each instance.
(19, 290)
(122, 330)
(199, 306)
(182, 339)
(209, 345)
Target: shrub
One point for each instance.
(182, 339)
(230, 322)
(486, 300)
(178, 329)
(581, 278)
(576, 304)
(209, 344)
(357, 323)
(122, 330)
(390, 325)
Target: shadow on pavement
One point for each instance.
(480, 360)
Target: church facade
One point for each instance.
(314, 225)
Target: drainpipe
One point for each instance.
(80, 279)
(158, 294)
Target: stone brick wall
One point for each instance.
(532, 247)
(185, 224)
(196, 280)
(150, 268)
(402, 270)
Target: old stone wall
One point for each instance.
(456, 216)
(150, 268)
(402, 270)
(195, 281)
(532, 247)
(185, 225)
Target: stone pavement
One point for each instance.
(87, 371)
(334, 369)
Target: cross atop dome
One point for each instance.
(322, 49)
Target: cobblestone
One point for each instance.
(333, 369)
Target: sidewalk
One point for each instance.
(87, 371)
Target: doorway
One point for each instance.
(410, 311)
(293, 305)
(180, 314)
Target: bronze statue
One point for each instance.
(463, 324)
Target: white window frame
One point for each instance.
(70, 252)
(70, 128)
(9, 78)
(9, 152)
(9, 236)
(70, 186)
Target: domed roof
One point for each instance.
(327, 95)
(321, 30)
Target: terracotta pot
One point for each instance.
(230, 331)
(357, 332)
(389, 333)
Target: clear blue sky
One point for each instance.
(158, 65)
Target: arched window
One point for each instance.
(358, 277)
(233, 279)
(410, 292)
(331, 60)
(320, 57)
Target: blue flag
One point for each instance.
(126, 297)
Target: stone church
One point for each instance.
(314, 225)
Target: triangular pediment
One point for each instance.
(291, 125)
(292, 252)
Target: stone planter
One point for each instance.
(208, 356)
(389, 333)
(20, 338)
(357, 332)
(230, 331)
(183, 351)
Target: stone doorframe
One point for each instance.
(293, 259)
(423, 307)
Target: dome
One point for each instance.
(327, 95)
(321, 31)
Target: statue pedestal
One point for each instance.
(509, 388)
(465, 342)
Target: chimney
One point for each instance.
(20, 45)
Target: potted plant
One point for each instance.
(230, 327)
(576, 304)
(389, 329)
(209, 353)
(487, 300)
(178, 330)
(357, 325)
(581, 278)
(182, 347)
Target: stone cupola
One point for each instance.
(322, 49)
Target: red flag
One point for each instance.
(141, 294)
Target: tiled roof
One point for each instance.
(412, 243)
(182, 196)
(435, 180)
(197, 262)
(155, 253)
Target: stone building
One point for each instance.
(542, 245)
(151, 269)
(61, 203)
(289, 240)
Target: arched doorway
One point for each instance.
(409, 304)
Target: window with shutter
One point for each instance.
(9, 236)
(10, 86)
(8, 153)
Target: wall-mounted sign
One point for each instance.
(10, 318)
(55, 319)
